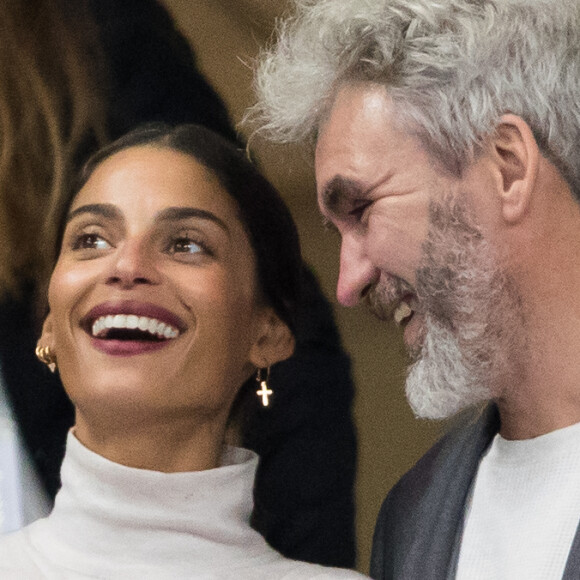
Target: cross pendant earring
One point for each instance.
(264, 391)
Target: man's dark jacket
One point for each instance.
(420, 524)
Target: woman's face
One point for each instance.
(153, 301)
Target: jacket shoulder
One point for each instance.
(420, 516)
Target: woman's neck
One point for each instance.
(166, 445)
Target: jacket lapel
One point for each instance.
(572, 570)
(442, 508)
(421, 521)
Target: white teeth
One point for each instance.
(402, 312)
(130, 321)
(170, 332)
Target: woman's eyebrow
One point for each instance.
(105, 210)
(182, 213)
(110, 211)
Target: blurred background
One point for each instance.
(227, 35)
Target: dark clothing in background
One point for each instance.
(305, 483)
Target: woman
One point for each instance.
(71, 82)
(75, 75)
(175, 288)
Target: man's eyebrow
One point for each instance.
(105, 210)
(337, 190)
(183, 213)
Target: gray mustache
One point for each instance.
(384, 296)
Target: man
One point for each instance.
(446, 156)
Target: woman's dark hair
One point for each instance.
(264, 214)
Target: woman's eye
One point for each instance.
(185, 246)
(90, 242)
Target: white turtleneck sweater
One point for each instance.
(115, 522)
(523, 513)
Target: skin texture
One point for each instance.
(376, 185)
(127, 246)
(397, 209)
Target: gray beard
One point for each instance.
(442, 381)
(473, 319)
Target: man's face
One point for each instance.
(415, 248)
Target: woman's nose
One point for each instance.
(133, 264)
(357, 273)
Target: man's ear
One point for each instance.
(517, 156)
(275, 341)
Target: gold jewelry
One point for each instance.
(46, 356)
(263, 391)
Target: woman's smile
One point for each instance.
(129, 327)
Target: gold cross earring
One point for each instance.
(264, 391)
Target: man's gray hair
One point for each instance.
(451, 67)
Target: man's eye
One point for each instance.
(358, 210)
(90, 242)
(185, 246)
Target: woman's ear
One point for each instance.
(45, 350)
(275, 341)
(47, 337)
(517, 156)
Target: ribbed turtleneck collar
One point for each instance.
(106, 512)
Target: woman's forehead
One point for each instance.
(155, 177)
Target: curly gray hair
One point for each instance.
(451, 67)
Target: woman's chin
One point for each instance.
(118, 385)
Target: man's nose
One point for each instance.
(133, 264)
(357, 273)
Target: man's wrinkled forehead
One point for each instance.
(355, 111)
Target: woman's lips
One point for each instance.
(128, 328)
(127, 347)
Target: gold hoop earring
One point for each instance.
(263, 391)
(46, 356)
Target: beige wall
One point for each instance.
(226, 35)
